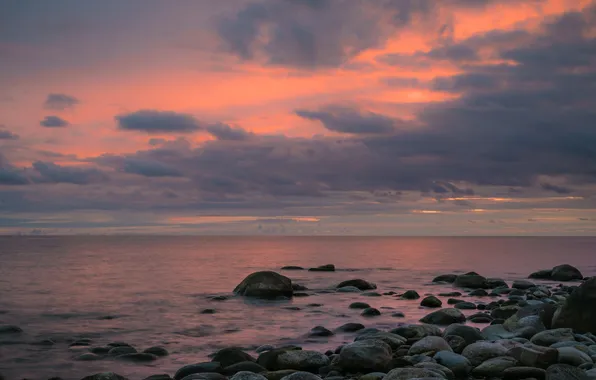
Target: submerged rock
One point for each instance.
(231, 355)
(265, 284)
(105, 376)
(370, 312)
(320, 331)
(471, 281)
(292, 267)
(566, 272)
(350, 327)
(357, 283)
(431, 301)
(449, 278)
(323, 268)
(10, 329)
(206, 367)
(157, 351)
(410, 295)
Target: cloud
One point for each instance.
(53, 122)
(53, 173)
(149, 168)
(9, 175)
(557, 189)
(348, 120)
(7, 135)
(60, 102)
(225, 132)
(152, 121)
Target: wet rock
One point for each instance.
(263, 348)
(457, 343)
(370, 312)
(504, 312)
(358, 283)
(414, 332)
(121, 350)
(350, 327)
(100, 350)
(479, 352)
(243, 366)
(469, 333)
(410, 295)
(278, 375)
(208, 311)
(158, 377)
(138, 357)
(10, 329)
(446, 372)
(105, 376)
(320, 331)
(579, 310)
(458, 364)
(429, 345)
(522, 284)
(412, 373)
(363, 356)
(493, 283)
(495, 332)
(449, 278)
(348, 289)
(393, 340)
(478, 293)
(292, 267)
(544, 274)
(206, 367)
(471, 281)
(520, 373)
(373, 376)
(494, 367)
(548, 337)
(481, 319)
(573, 356)
(309, 361)
(88, 357)
(534, 356)
(265, 284)
(300, 375)
(157, 351)
(465, 305)
(398, 314)
(566, 272)
(564, 372)
(431, 301)
(119, 344)
(323, 268)
(450, 294)
(205, 376)
(247, 375)
(444, 317)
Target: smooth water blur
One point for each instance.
(150, 290)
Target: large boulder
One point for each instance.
(579, 310)
(231, 355)
(480, 352)
(357, 283)
(566, 272)
(469, 333)
(365, 356)
(471, 281)
(444, 317)
(206, 367)
(265, 284)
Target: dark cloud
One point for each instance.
(53, 122)
(60, 102)
(152, 121)
(7, 135)
(557, 189)
(9, 175)
(348, 120)
(225, 132)
(53, 173)
(149, 168)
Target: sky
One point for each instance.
(298, 117)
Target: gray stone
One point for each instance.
(348, 289)
(246, 375)
(359, 305)
(415, 332)
(458, 364)
(247, 366)
(566, 272)
(157, 351)
(350, 327)
(431, 301)
(365, 355)
(323, 268)
(320, 331)
(573, 356)
(231, 355)
(206, 367)
(393, 340)
(308, 361)
(494, 367)
(520, 373)
(301, 375)
(444, 317)
(205, 376)
(265, 284)
(479, 352)
(447, 373)
(457, 343)
(548, 337)
(449, 278)
(357, 283)
(121, 350)
(465, 305)
(564, 372)
(579, 310)
(373, 376)
(522, 284)
(534, 356)
(471, 281)
(413, 373)
(105, 376)
(410, 295)
(370, 312)
(429, 345)
(263, 348)
(469, 333)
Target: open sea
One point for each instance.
(150, 290)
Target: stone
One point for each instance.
(350, 327)
(88, 357)
(158, 377)
(205, 376)
(393, 340)
(357, 283)
(520, 373)
(373, 376)
(458, 364)
(431, 301)
(478, 293)
(548, 337)
(493, 283)
(494, 367)
(243, 367)
(119, 344)
(522, 284)
(278, 375)
(301, 375)
(231, 355)
(479, 352)
(302, 360)
(564, 372)
(10, 329)
(444, 317)
(263, 348)
(429, 345)
(573, 356)
(265, 284)
(412, 373)
(457, 343)
(101, 350)
(471, 281)
(469, 333)
(121, 350)
(323, 268)
(544, 274)
(206, 367)
(449, 278)
(447, 373)
(465, 305)
(579, 310)
(157, 351)
(247, 375)
(370, 312)
(365, 356)
(292, 267)
(410, 295)
(534, 356)
(105, 376)
(565, 272)
(414, 333)
(137, 357)
(371, 294)
(320, 331)
(359, 305)
(504, 312)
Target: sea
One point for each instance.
(152, 291)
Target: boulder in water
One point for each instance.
(566, 272)
(323, 268)
(472, 281)
(444, 317)
(265, 284)
(358, 283)
(231, 355)
(449, 278)
(431, 301)
(579, 310)
(105, 376)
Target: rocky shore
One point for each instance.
(532, 330)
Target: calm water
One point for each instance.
(150, 290)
